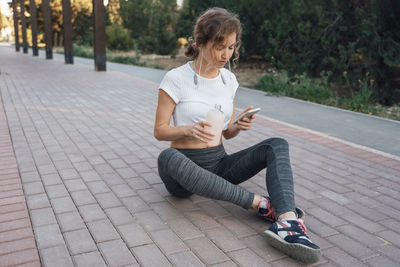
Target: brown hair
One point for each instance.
(212, 26)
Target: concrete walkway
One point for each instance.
(81, 145)
(358, 128)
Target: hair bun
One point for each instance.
(192, 50)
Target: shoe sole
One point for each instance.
(296, 251)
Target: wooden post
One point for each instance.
(67, 25)
(16, 32)
(47, 29)
(99, 34)
(35, 50)
(23, 22)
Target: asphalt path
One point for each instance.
(361, 129)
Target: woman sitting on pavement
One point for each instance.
(196, 162)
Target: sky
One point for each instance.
(4, 7)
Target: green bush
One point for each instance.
(163, 43)
(300, 86)
(83, 51)
(118, 38)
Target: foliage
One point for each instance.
(118, 38)
(152, 24)
(300, 86)
(356, 36)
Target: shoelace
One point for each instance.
(271, 211)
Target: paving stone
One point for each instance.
(69, 174)
(82, 166)
(51, 179)
(56, 256)
(116, 253)
(83, 198)
(168, 241)
(150, 255)
(390, 236)
(138, 183)
(102, 231)
(70, 221)
(48, 236)
(341, 258)
(63, 204)
(75, 185)
(56, 191)
(90, 176)
(19, 257)
(16, 234)
(201, 220)
(126, 172)
(380, 261)
(361, 236)
(182, 204)
(92, 212)
(225, 264)
(258, 245)
(122, 190)
(135, 204)
(224, 239)
(90, 259)
(246, 257)
(184, 228)
(150, 221)
(206, 250)
(14, 224)
(134, 235)
(236, 227)
(21, 244)
(150, 195)
(13, 215)
(165, 210)
(119, 215)
(79, 241)
(108, 200)
(185, 258)
(326, 217)
(43, 216)
(213, 209)
(98, 187)
(33, 188)
(352, 247)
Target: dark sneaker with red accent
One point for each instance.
(266, 210)
(290, 237)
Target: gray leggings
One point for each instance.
(212, 173)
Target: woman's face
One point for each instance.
(217, 55)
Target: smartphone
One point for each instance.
(247, 114)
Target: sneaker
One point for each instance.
(266, 210)
(290, 238)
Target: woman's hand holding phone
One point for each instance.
(245, 119)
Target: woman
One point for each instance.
(192, 165)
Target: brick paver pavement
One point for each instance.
(87, 160)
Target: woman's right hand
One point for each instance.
(199, 131)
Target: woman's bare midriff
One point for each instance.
(190, 143)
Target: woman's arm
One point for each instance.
(164, 132)
(243, 124)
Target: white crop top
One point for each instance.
(193, 103)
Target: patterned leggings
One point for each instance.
(212, 173)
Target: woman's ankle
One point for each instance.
(256, 202)
(290, 215)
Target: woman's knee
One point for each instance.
(165, 157)
(276, 142)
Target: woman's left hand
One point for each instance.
(245, 123)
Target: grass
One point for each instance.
(318, 91)
(112, 56)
